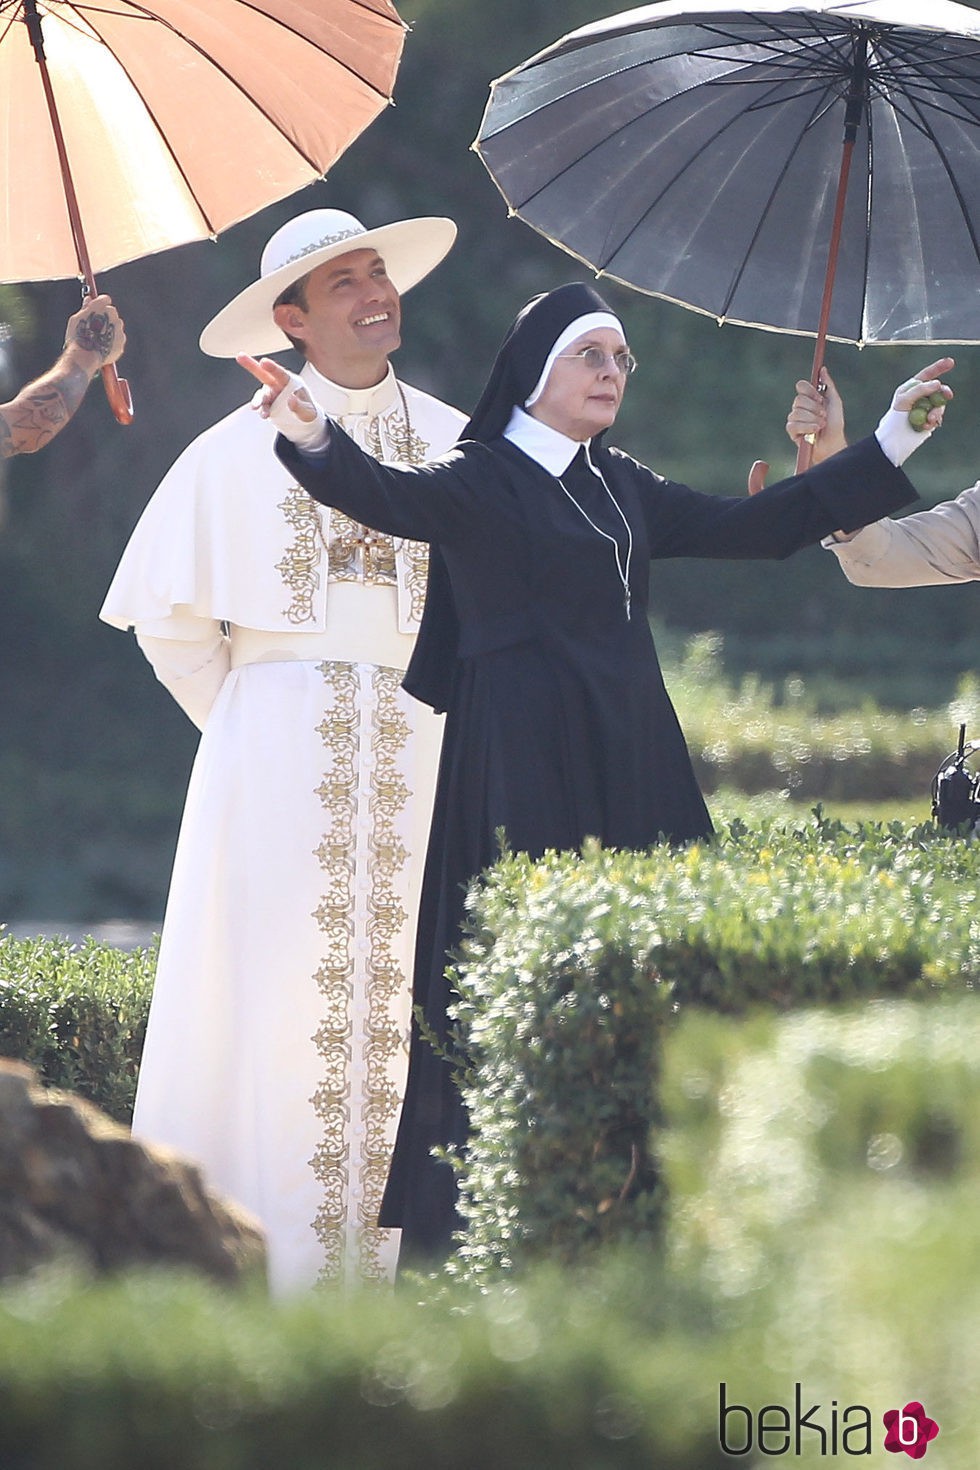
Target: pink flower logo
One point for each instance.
(909, 1429)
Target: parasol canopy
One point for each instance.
(129, 126)
(179, 117)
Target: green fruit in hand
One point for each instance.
(937, 398)
(917, 415)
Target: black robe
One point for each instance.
(558, 725)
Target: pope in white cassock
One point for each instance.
(276, 1048)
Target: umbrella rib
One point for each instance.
(141, 12)
(905, 60)
(147, 15)
(205, 216)
(615, 133)
(954, 184)
(764, 213)
(705, 147)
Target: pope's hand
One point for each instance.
(285, 401)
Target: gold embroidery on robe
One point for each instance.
(340, 734)
(300, 567)
(358, 554)
(384, 979)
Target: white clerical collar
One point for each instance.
(339, 402)
(550, 449)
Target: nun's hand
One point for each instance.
(895, 433)
(285, 401)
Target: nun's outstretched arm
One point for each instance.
(421, 502)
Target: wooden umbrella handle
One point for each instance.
(118, 394)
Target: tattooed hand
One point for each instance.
(98, 329)
(94, 337)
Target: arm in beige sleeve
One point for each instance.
(190, 656)
(930, 548)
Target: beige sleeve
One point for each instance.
(930, 548)
(190, 656)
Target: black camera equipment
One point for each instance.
(956, 790)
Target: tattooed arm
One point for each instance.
(94, 337)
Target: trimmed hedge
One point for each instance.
(577, 965)
(757, 737)
(78, 1014)
(816, 1237)
(165, 1372)
(824, 1170)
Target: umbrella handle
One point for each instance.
(118, 394)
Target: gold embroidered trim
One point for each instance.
(385, 979)
(391, 437)
(340, 734)
(400, 442)
(299, 568)
(416, 555)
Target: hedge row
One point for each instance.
(823, 1172)
(577, 966)
(756, 738)
(77, 1014)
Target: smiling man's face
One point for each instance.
(348, 319)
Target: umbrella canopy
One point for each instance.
(179, 117)
(697, 153)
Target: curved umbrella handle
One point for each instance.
(118, 394)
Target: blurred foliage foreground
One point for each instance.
(785, 1194)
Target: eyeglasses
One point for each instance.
(595, 359)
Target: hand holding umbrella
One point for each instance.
(802, 167)
(818, 416)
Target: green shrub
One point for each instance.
(163, 1372)
(815, 1235)
(824, 1170)
(754, 738)
(77, 1014)
(576, 966)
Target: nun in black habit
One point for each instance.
(535, 638)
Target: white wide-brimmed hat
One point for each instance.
(410, 249)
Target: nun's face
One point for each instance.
(579, 400)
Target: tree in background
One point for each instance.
(93, 756)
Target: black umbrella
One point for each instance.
(802, 168)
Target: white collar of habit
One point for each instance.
(553, 451)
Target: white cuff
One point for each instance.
(897, 437)
(310, 437)
(192, 671)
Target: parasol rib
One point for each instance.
(116, 388)
(140, 13)
(144, 13)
